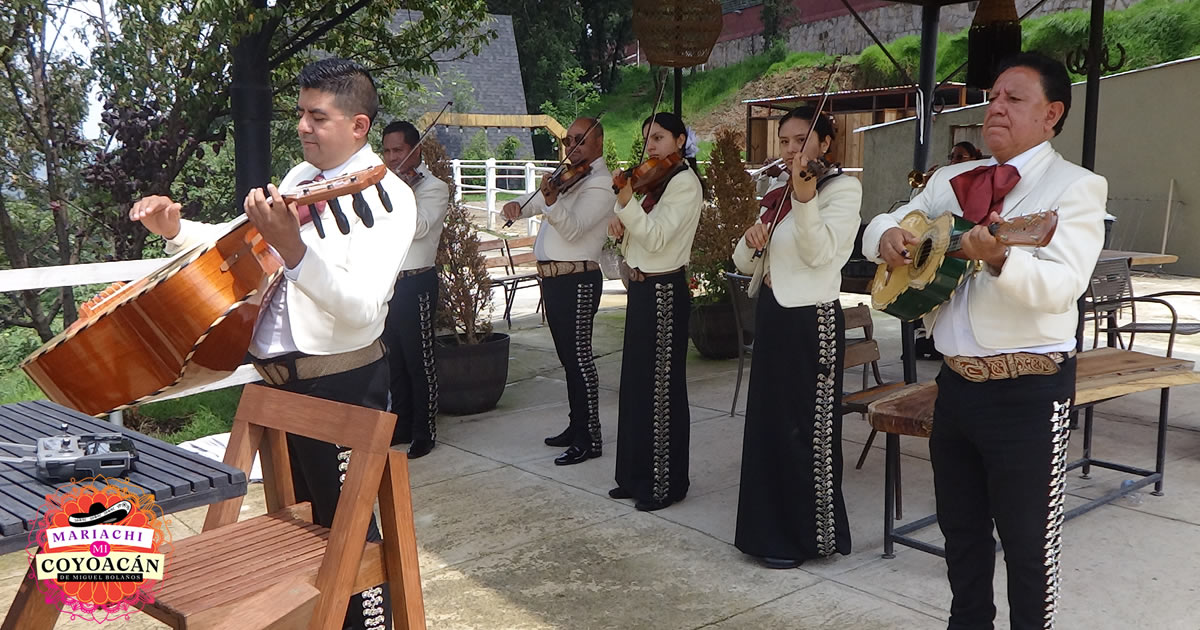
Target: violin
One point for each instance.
(650, 178)
(412, 177)
(565, 177)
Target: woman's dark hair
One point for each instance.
(674, 124)
(823, 127)
(1056, 83)
(974, 153)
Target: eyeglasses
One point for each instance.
(570, 141)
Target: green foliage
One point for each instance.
(16, 387)
(611, 159)
(508, 148)
(189, 418)
(734, 208)
(477, 148)
(635, 149)
(775, 18)
(575, 97)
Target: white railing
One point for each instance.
(468, 174)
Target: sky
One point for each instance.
(69, 40)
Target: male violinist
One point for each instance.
(1007, 336)
(411, 313)
(319, 330)
(568, 250)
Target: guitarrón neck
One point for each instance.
(956, 239)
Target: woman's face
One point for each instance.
(791, 138)
(959, 154)
(661, 143)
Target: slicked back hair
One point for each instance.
(350, 83)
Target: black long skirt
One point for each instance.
(653, 425)
(790, 504)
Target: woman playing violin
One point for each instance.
(657, 232)
(790, 505)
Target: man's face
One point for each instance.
(591, 147)
(1018, 117)
(328, 135)
(396, 149)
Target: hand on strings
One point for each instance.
(893, 247)
(548, 191)
(804, 183)
(757, 235)
(625, 194)
(511, 211)
(616, 229)
(278, 223)
(159, 214)
(980, 244)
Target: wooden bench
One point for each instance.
(1101, 374)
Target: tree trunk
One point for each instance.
(251, 97)
(28, 301)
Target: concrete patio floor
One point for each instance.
(510, 541)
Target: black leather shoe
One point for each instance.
(561, 440)
(420, 448)
(619, 493)
(576, 455)
(652, 505)
(780, 563)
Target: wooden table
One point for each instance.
(1138, 258)
(1100, 374)
(178, 479)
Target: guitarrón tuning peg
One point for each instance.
(383, 197)
(363, 210)
(342, 222)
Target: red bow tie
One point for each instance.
(981, 190)
(776, 204)
(306, 211)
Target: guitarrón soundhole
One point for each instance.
(923, 253)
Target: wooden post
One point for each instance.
(530, 185)
(456, 168)
(490, 192)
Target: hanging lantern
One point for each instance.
(677, 33)
(995, 34)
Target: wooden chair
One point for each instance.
(1110, 299)
(864, 352)
(743, 317)
(281, 570)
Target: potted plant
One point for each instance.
(472, 360)
(723, 221)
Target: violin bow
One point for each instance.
(566, 159)
(787, 190)
(646, 132)
(425, 134)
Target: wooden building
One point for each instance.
(851, 109)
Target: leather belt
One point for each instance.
(404, 273)
(637, 275)
(555, 268)
(302, 367)
(1005, 366)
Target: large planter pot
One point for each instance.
(610, 264)
(713, 329)
(471, 377)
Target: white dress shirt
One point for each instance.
(433, 202)
(577, 224)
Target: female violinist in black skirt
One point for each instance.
(790, 505)
(656, 233)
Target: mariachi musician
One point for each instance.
(790, 505)
(576, 201)
(656, 232)
(409, 334)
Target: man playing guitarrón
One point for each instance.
(999, 438)
(319, 329)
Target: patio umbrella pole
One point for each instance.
(924, 126)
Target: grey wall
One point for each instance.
(1146, 137)
(843, 34)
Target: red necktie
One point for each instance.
(982, 189)
(771, 201)
(306, 211)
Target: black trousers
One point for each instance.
(571, 302)
(409, 338)
(790, 502)
(318, 470)
(999, 451)
(653, 425)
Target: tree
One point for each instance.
(606, 29)
(775, 16)
(576, 97)
(171, 94)
(42, 105)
